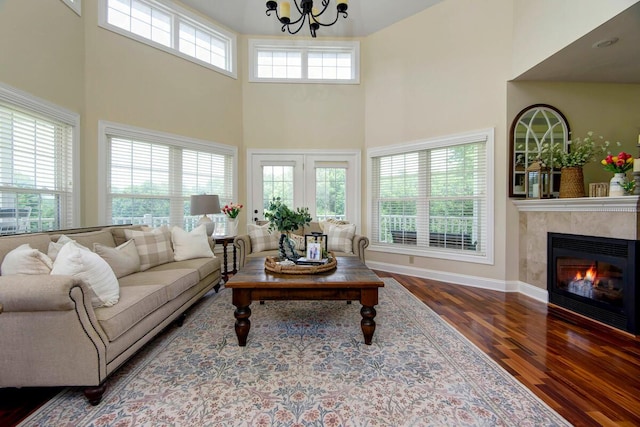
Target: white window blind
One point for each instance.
(171, 28)
(432, 197)
(151, 182)
(36, 171)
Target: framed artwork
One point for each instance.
(316, 238)
(314, 252)
(532, 129)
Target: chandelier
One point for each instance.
(307, 13)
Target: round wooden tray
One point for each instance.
(271, 264)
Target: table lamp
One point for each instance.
(205, 204)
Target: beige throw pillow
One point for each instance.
(123, 259)
(154, 247)
(188, 245)
(54, 247)
(262, 239)
(76, 260)
(340, 237)
(25, 260)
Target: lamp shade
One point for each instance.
(203, 204)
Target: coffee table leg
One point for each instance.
(367, 323)
(242, 300)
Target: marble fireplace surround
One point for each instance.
(615, 217)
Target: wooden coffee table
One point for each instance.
(350, 281)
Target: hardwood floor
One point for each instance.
(588, 373)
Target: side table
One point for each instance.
(224, 241)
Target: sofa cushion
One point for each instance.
(193, 244)
(104, 237)
(136, 302)
(174, 281)
(154, 246)
(25, 260)
(76, 260)
(262, 239)
(340, 237)
(123, 259)
(204, 266)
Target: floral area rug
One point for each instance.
(305, 364)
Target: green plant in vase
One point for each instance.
(286, 220)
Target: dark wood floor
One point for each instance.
(588, 373)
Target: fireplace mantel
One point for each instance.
(582, 204)
(613, 217)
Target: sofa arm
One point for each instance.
(359, 245)
(243, 247)
(38, 292)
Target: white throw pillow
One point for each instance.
(261, 238)
(54, 247)
(25, 260)
(188, 245)
(123, 259)
(76, 260)
(340, 237)
(154, 246)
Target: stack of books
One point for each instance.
(307, 261)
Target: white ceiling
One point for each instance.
(365, 16)
(578, 62)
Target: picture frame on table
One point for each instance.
(316, 238)
(314, 252)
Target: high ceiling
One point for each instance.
(365, 16)
(578, 62)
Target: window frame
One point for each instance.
(110, 129)
(75, 5)
(24, 101)
(179, 14)
(486, 135)
(304, 47)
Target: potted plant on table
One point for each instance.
(231, 211)
(286, 220)
(619, 165)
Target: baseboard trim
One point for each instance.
(465, 280)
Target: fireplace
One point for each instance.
(595, 277)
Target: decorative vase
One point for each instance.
(571, 182)
(232, 227)
(287, 248)
(615, 187)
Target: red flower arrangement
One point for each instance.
(232, 210)
(618, 164)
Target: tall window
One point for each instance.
(36, 164)
(331, 191)
(150, 176)
(167, 26)
(304, 62)
(433, 198)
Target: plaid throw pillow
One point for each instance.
(340, 237)
(261, 238)
(154, 247)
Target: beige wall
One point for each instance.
(442, 72)
(41, 51)
(313, 116)
(543, 27)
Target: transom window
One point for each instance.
(304, 61)
(173, 29)
(150, 176)
(434, 198)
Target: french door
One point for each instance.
(327, 183)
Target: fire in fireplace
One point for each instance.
(595, 277)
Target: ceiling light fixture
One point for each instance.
(307, 13)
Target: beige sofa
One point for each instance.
(52, 336)
(245, 250)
